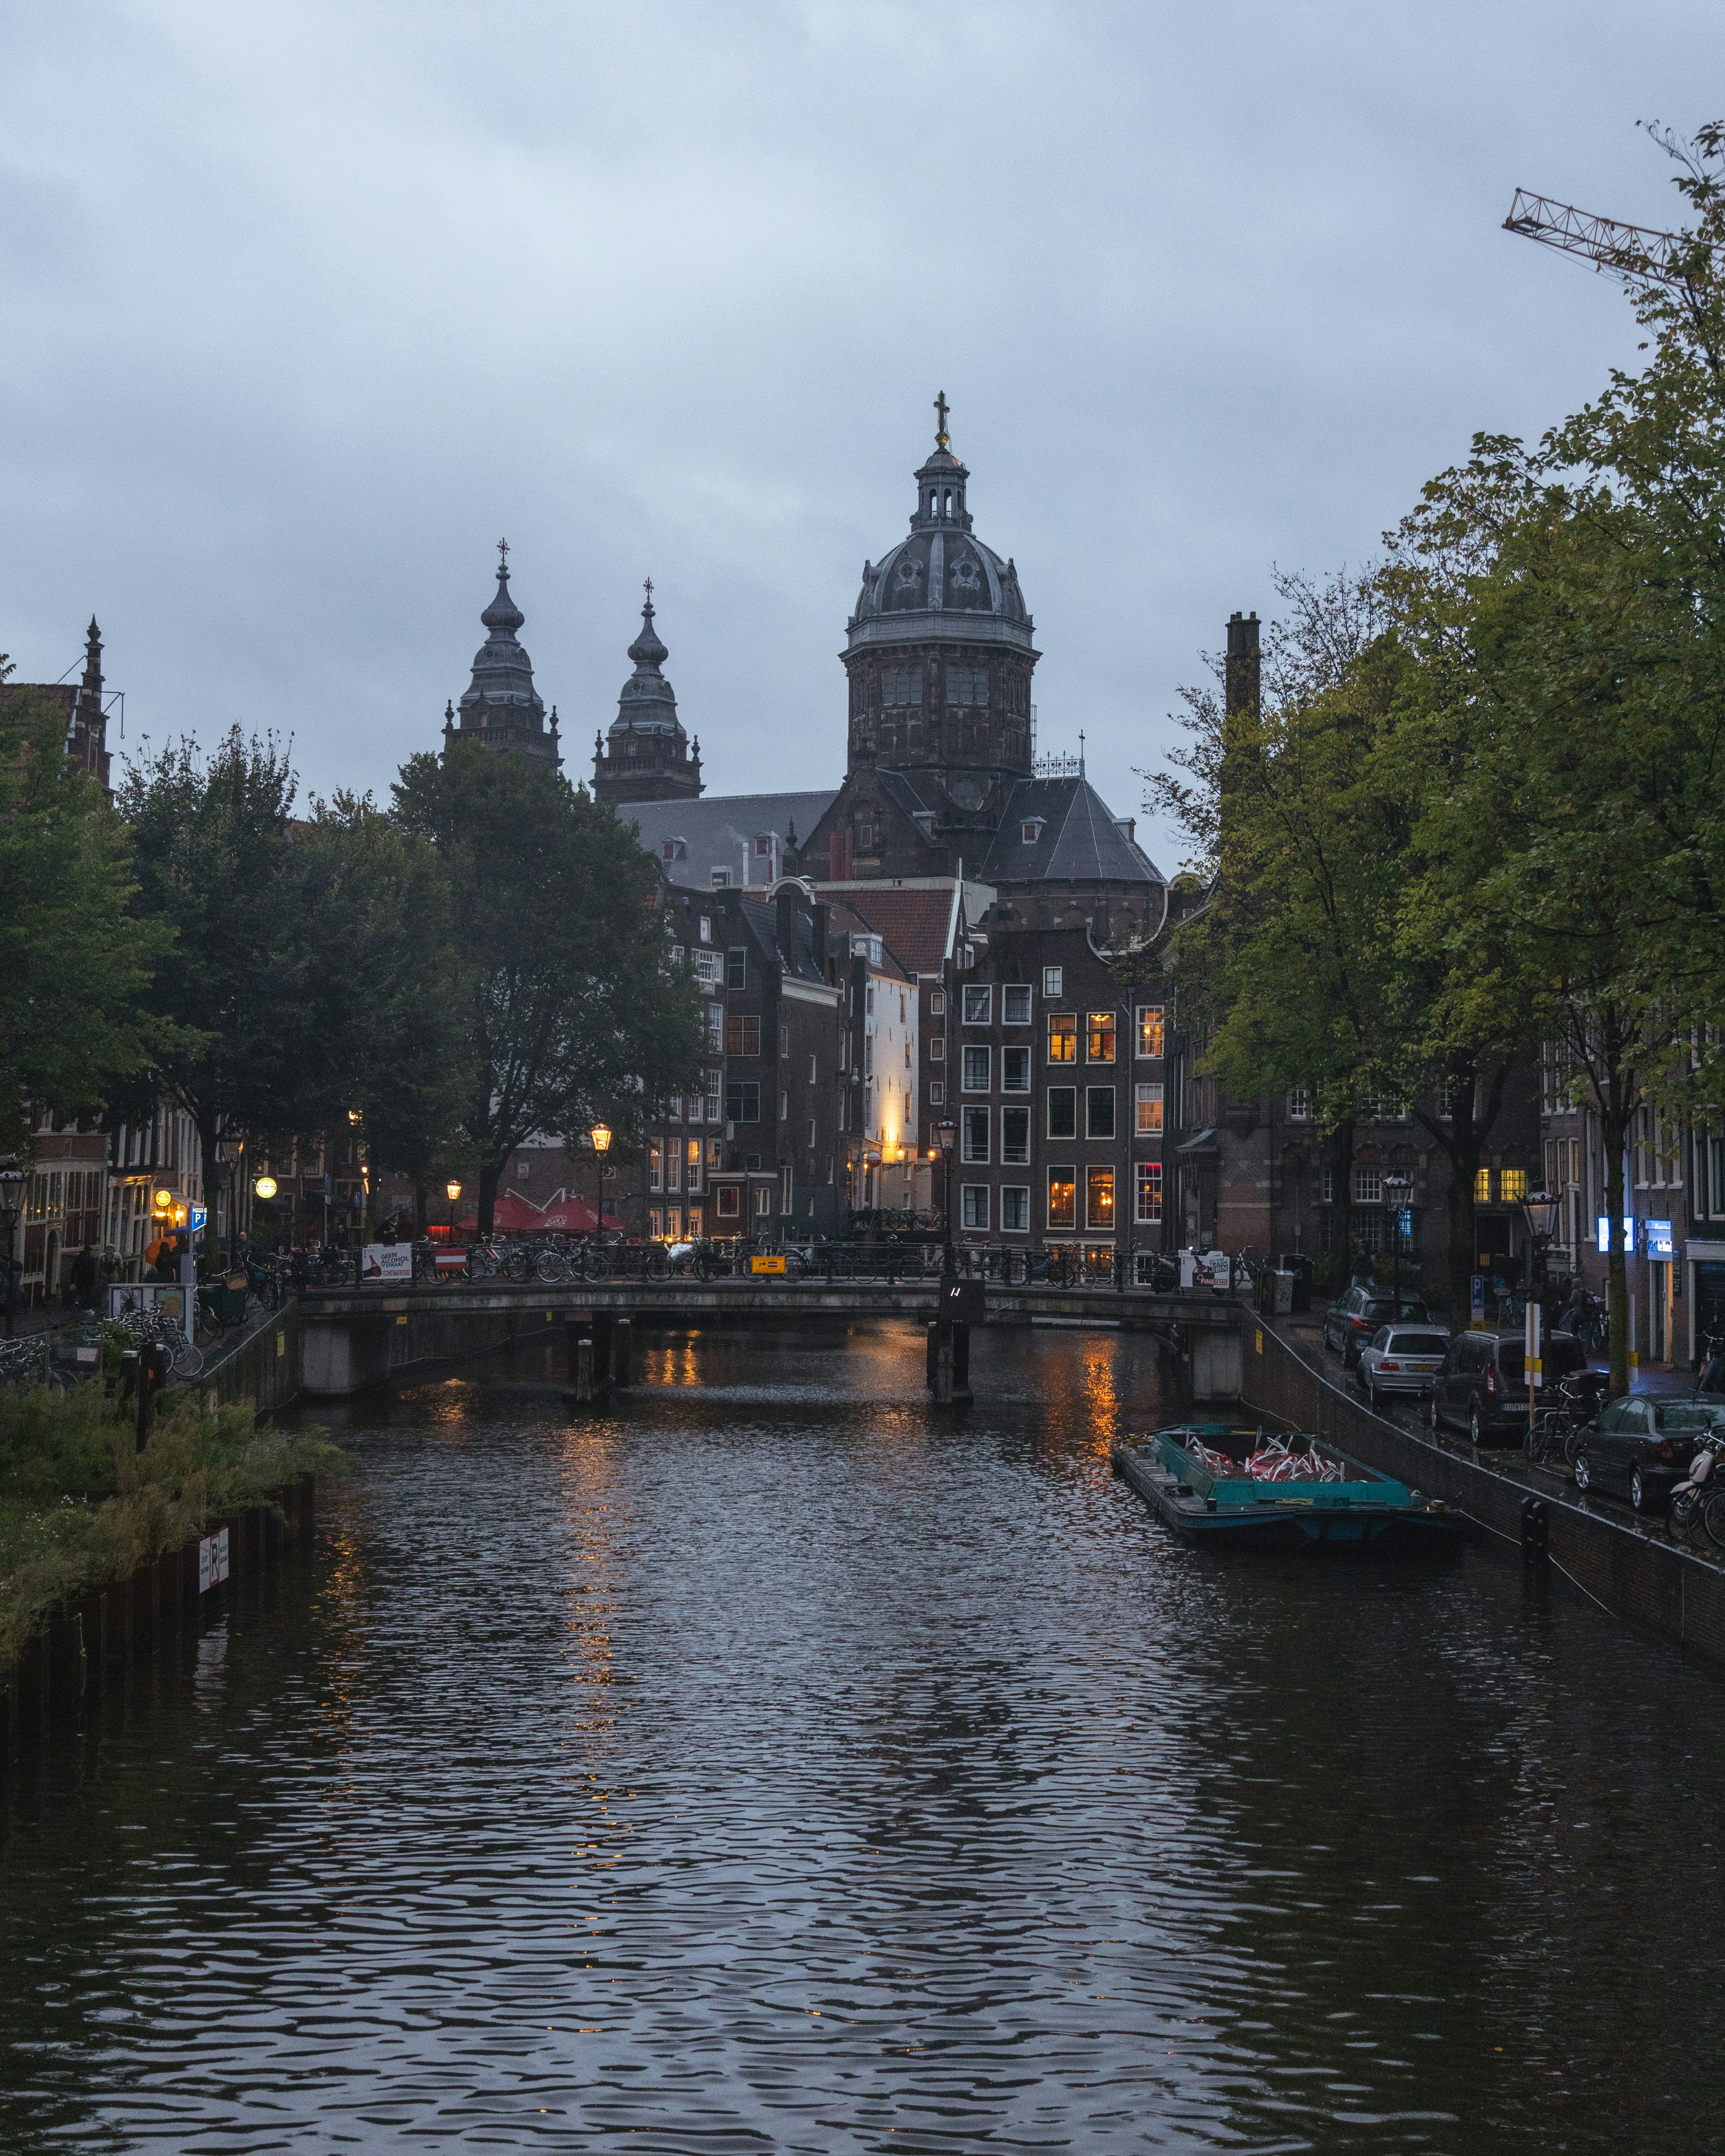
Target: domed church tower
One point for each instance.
(647, 757)
(940, 650)
(500, 708)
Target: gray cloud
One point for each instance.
(306, 306)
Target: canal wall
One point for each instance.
(1644, 1579)
(88, 1647)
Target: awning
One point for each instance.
(1205, 1142)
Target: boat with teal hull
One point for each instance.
(1221, 1482)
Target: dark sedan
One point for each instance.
(1642, 1449)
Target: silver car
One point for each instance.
(1401, 1358)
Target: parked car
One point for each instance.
(1642, 1448)
(1482, 1387)
(1401, 1358)
(1352, 1321)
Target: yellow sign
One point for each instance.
(767, 1265)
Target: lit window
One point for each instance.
(1149, 1107)
(1149, 1029)
(1099, 1197)
(1512, 1185)
(1063, 1037)
(729, 1203)
(1062, 1198)
(1149, 1193)
(1101, 1032)
(1482, 1186)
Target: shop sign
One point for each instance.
(388, 1261)
(211, 1560)
(768, 1265)
(1659, 1238)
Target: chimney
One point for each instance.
(1240, 676)
(785, 904)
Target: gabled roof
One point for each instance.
(720, 832)
(1078, 842)
(916, 926)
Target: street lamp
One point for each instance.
(1396, 1189)
(600, 1136)
(13, 1179)
(945, 1133)
(1540, 1208)
(454, 1189)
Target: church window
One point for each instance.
(915, 685)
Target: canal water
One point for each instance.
(768, 1763)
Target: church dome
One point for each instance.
(941, 580)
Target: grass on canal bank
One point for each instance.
(81, 1507)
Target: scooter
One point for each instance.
(1689, 1498)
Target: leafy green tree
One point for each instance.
(75, 962)
(250, 1053)
(390, 990)
(573, 1005)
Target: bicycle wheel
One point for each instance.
(549, 1267)
(189, 1359)
(595, 1265)
(1711, 1511)
(658, 1265)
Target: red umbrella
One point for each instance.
(574, 1216)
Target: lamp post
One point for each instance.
(1540, 1208)
(454, 1189)
(1397, 1187)
(355, 1120)
(600, 1136)
(945, 1133)
(13, 1179)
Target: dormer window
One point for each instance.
(675, 849)
(721, 879)
(1031, 829)
(706, 928)
(763, 849)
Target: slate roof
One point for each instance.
(719, 832)
(1079, 842)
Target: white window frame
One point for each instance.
(1054, 983)
(1146, 1193)
(1015, 995)
(1299, 1104)
(979, 1004)
(978, 1059)
(1159, 1012)
(1147, 1109)
(1021, 1191)
(974, 1207)
(1021, 1159)
(1022, 1084)
(971, 1120)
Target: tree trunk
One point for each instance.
(1461, 1138)
(489, 1172)
(209, 1139)
(422, 1222)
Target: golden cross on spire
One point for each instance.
(503, 555)
(647, 587)
(941, 410)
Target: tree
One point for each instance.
(390, 988)
(573, 1005)
(250, 1051)
(1303, 806)
(75, 962)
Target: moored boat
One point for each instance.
(1227, 1482)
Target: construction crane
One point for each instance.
(1635, 251)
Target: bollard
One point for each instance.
(583, 1369)
(1536, 1531)
(960, 1361)
(621, 1344)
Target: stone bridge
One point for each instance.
(349, 1339)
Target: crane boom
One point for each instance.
(1635, 251)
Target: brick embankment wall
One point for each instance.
(1646, 1580)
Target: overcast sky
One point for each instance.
(304, 305)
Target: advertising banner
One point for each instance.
(389, 1262)
(128, 1301)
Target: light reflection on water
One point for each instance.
(768, 1763)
